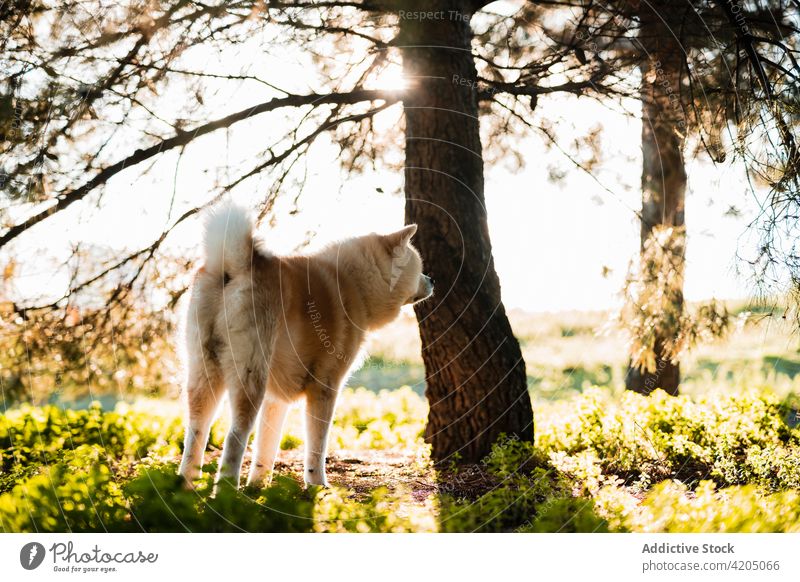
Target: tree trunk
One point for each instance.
(663, 171)
(476, 381)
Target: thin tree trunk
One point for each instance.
(476, 380)
(663, 170)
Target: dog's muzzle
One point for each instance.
(425, 288)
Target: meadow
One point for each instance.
(568, 352)
(724, 456)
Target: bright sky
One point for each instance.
(551, 241)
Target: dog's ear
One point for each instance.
(400, 238)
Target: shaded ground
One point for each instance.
(364, 471)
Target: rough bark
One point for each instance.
(476, 380)
(663, 169)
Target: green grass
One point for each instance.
(566, 353)
(600, 463)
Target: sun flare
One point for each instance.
(391, 79)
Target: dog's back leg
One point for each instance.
(204, 391)
(204, 387)
(247, 387)
(250, 335)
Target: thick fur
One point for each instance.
(270, 330)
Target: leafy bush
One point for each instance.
(384, 420)
(31, 436)
(388, 419)
(730, 439)
(79, 494)
(567, 515)
(600, 463)
(160, 502)
(508, 506)
(669, 507)
(381, 511)
(525, 497)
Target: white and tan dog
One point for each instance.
(271, 330)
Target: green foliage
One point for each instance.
(524, 496)
(567, 515)
(671, 507)
(600, 463)
(89, 470)
(730, 439)
(508, 506)
(289, 442)
(511, 456)
(388, 419)
(381, 511)
(160, 502)
(79, 494)
(608, 451)
(31, 435)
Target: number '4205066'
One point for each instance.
(755, 565)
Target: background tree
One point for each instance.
(663, 181)
(694, 89)
(694, 85)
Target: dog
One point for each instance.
(271, 330)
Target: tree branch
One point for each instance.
(150, 250)
(575, 87)
(183, 138)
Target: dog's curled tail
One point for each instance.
(229, 241)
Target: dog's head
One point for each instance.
(407, 282)
(391, 274)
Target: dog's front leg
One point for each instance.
(268, 438)
(320, 403)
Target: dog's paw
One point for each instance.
(225, 483)
(258, 484)
(313, 478)
(259, 478)
(188, 478)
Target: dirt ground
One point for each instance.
(363, 471)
